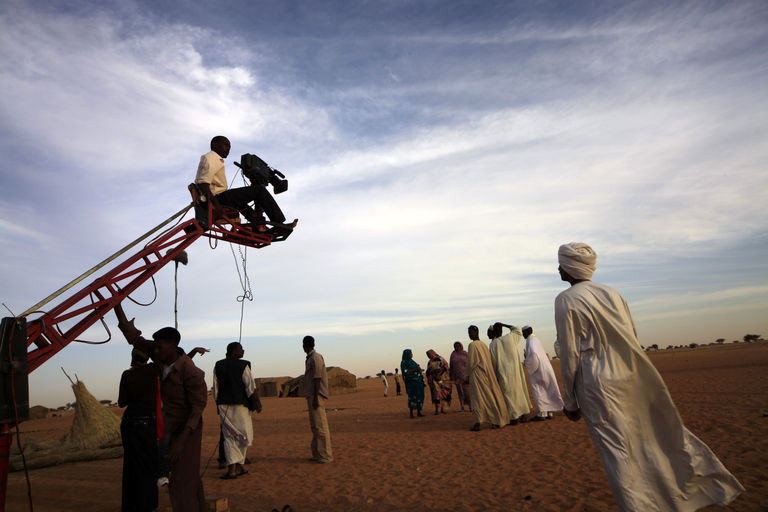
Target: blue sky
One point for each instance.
(438, 153)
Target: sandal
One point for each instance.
(227, 476)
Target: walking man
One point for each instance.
(316, 392)
(384, 382)
(546, 394)
(505, 354)
(397, 382)
(653, 463)
(488, 404)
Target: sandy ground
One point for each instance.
(386, 461)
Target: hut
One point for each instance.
(340, 381)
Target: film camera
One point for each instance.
(258, 171)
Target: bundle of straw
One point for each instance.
(94, 426)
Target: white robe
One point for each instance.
(236, 423)
(505, 355)
(487, 399)
(652, 461)
(544, 388)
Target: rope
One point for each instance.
(245, 283)
(176, 296)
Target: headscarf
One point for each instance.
(408, 363)
(577, 259)
(431, 354)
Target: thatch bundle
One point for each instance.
(94, 434)
(94, 426)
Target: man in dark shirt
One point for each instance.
(184, 394)
(234, 391)
(139, 387)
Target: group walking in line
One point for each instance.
(489, 381)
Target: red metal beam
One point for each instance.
(92, 302)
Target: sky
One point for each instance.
(438, 153)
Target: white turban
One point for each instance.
(577, 259)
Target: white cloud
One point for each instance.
(112, 94)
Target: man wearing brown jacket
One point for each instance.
(184, 393)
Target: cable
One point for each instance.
(154, 285)
(88, 342)
(215, 449)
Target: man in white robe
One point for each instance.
(505, 355)
(487, 400)
(652, 461)
(541, 376)
(233, 388)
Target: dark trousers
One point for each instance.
(239, 198)
(140, 457)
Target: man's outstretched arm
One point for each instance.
(132, 334)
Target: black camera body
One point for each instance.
(258, 171)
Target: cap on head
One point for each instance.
(527, 331)
(168, 334)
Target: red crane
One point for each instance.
(61, 324)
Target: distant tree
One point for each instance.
(749, 338)
(720, 340)
(736, 341)
(655, 346)
(693, 345)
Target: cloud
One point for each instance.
(111, 93)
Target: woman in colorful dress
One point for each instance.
(439, 379)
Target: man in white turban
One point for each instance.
(541, 376)
(652, 461)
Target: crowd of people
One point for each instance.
(489, 381)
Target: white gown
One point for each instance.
(541, 376)
(652, 461)
(505, 354)
(236, 422)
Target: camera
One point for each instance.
(258, 171)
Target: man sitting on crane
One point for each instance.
(211, 180)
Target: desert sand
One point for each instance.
(386, 461)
